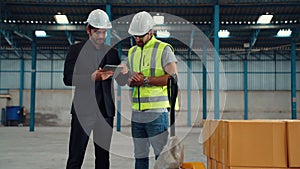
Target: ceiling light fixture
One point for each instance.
(158, 19)
(61, 19)
(40, 33)
(246, 45)
(284, 33)
(162, 34)
(264, 19)
(223, 33)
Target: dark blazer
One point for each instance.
(78, 67)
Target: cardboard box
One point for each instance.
(253, 143)
(223, 142)
(211, 163)
(208, 163)
(214, 139)
(293, 139)
(210, 139)
(223, 166)
(205, 138)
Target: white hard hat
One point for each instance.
(141, 23)
(99, 19)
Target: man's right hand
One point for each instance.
(100, 74)
(136, 79)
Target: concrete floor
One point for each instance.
(47, 147)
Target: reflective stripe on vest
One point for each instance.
(148, 60)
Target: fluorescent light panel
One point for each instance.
(159, 19)
(223, 33)
(264, 19)
(40, 33)
(246, 45)
(162, 34)
(61, 19)
(284, 33)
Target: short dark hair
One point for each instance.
(91, 27)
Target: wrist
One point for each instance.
(146, 81)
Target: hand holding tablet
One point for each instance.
(113, 68)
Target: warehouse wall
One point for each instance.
(53, 106)
(262, 75)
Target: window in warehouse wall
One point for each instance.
(283, 75)
(10, 76)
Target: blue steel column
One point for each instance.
(21, 81)
(108, 11)
(21, 85)
(216, 62)
(246, 88)
(119, 95)
(293, 80)
(189, 93)
(52, 73)
(252, 43)
(33, 80)
(204, 82)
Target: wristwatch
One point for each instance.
(146, 81)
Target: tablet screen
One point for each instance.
(112, 68)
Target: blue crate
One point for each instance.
(12, 112)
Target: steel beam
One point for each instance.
(10, 40)
(124, 27)
(70, 37)
(252, 41)
(23, 35)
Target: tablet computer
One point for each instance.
(113, 68)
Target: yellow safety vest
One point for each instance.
(148, 60)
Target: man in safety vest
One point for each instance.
(150, 62)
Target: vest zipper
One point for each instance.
(141, 59)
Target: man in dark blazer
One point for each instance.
(93, 106)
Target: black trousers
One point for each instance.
(79, 138)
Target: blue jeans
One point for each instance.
(153, 132)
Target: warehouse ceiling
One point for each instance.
(20, 18)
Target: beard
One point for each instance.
(140, 43)
(100, 41)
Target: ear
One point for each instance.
(151, 32)
(88, 30)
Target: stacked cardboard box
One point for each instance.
(293, 146)
(252, 144)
